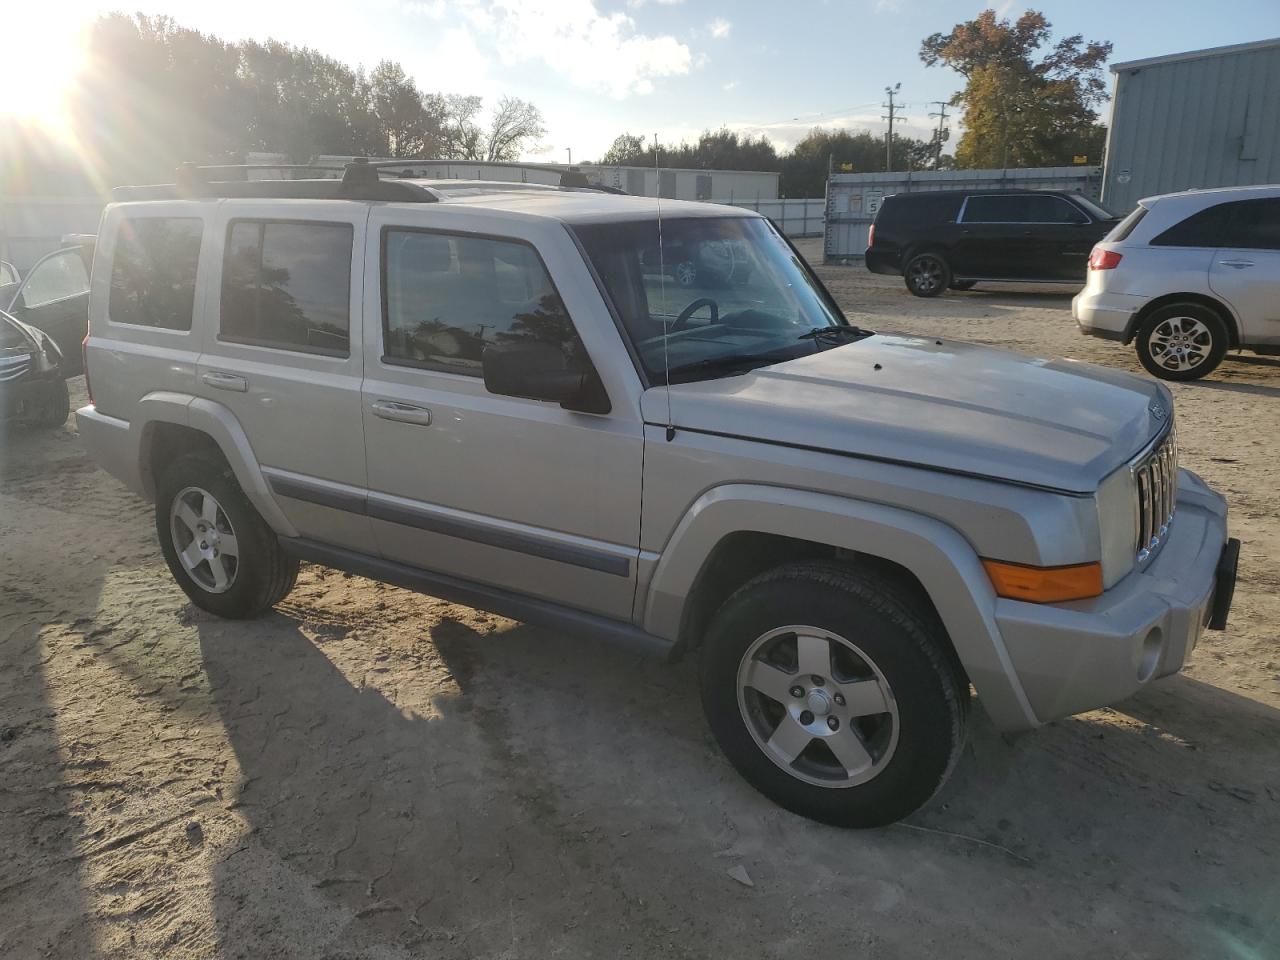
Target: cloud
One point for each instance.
(731, 85)
(601, 51)
(637, 4)
(720, 28)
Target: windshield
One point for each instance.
(722, 295)
(1096, 210)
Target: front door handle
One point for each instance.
(401, 412)
(225, 381)
(1238, 264)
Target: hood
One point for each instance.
(940, 404)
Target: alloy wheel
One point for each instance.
(1180, 343)
(925, 274)
(204, 540)
(817, 706)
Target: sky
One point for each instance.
(665, 68)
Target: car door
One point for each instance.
(518, 494)
(991, 239)
(282, 353)
(1245, 270)
(54, 298)
(1058, 239)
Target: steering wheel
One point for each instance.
(682, 321)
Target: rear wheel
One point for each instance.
(1182, 341)
(927, 274)
(832, 695)
(218, 548)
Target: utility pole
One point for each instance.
(570, 149)
(888, 137)
(942, 131)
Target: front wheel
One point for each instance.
(217, 546)
(54, 405)
(832, 695)
(927, 274)
(1182, 341)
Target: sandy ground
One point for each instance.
(371, 773)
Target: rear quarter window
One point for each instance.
(153, 272)
(918, 209)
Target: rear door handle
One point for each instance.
(1238, 264)
(401, 412)
(225, 381)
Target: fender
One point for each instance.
(941, 559)
(219, 423)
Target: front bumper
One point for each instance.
(1073, 657)
(1106, 315)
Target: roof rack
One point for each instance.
(360, 181)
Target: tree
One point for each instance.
(804, 170)
(411, 123)
(515, 124)
(628, 150)
(1022, 106)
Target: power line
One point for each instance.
(942, 131)
(888, 137)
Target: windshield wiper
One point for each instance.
(850, 331)
(728, 363)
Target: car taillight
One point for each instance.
(871, 236)
(84, 365)
(1104, 259)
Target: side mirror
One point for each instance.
(539, 370)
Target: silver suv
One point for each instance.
(497, 394)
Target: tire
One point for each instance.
(686, 273)
(963, 284)
(927, 274)
(55, 406)
(1182, 341)
(261, 575)
(903, 662)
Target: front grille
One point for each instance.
(14, 366)
(1156, 476)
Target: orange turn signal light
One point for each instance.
(1045, 584)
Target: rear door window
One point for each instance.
(998, 209)
(57, 277)
(1253, 225)
(288, 285)
(1203, 229)
(153, 272)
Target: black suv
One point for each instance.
(956, 238)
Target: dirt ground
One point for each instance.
(371, 773)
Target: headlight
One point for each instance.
(1117, 524)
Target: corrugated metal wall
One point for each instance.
(853, 199)
(30, 227)
(795, 218)
(1212, 121)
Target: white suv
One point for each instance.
(496, 394)
(1187, 277)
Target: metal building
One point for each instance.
(717, 186)
(1206, 118)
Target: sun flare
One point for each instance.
(40, 68)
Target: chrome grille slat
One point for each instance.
(1156, 476)
(11, 368)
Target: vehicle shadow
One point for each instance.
(43, 901)
(1253, 389)
(519, 784)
